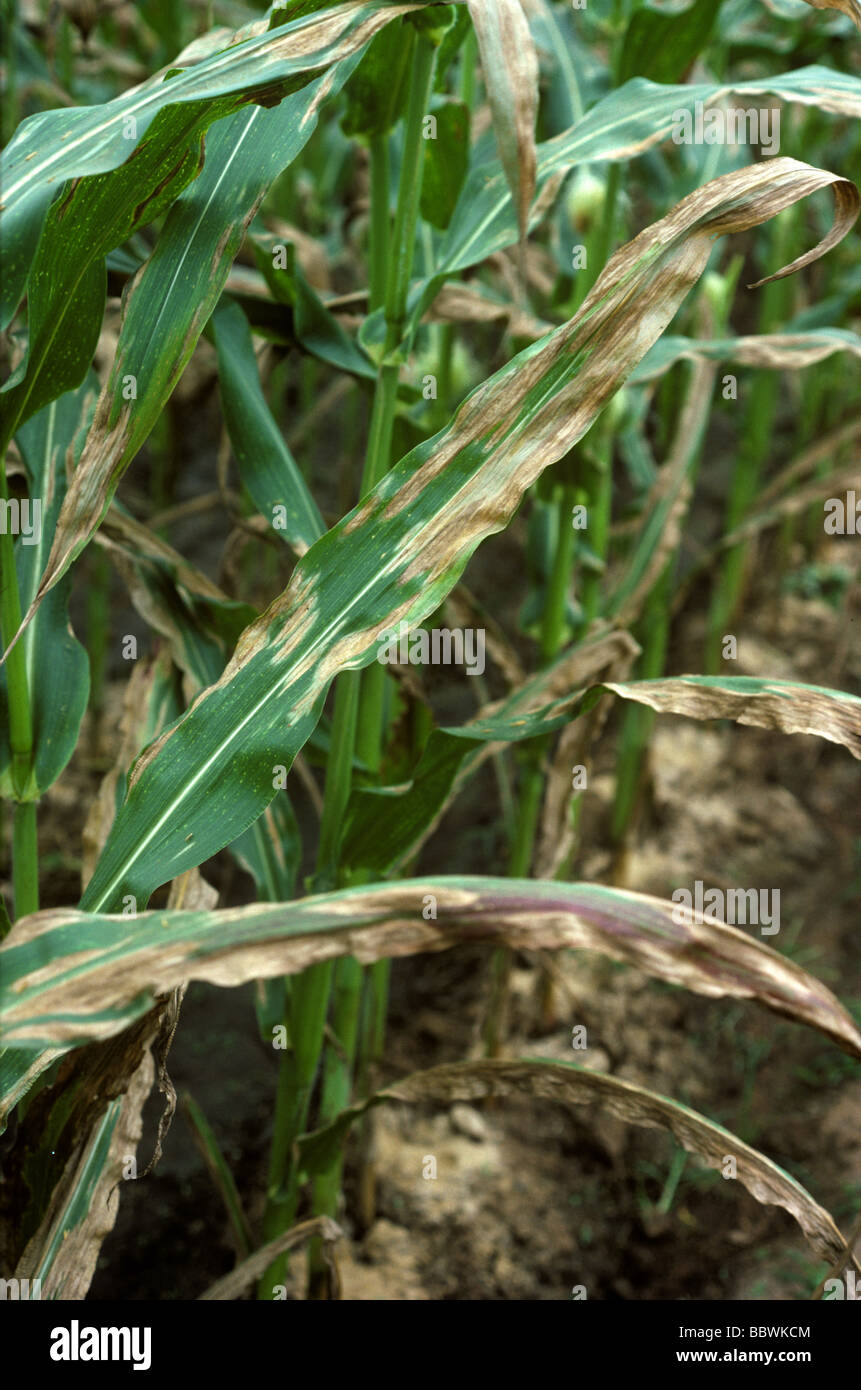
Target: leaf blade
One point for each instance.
(70, 976)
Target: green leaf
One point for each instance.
(315, 327)
(384, 825)
(221, 1175)
(376, 94)
(446, 162)
(271, 851)
(67, 285)
(58, 705)
(55, 146)
(451, 45)
(268, 469)
(661, 45)
(66, 306)
(172, 297)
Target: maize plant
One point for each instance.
(348, 340)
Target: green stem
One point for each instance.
(469, 70)
(20, 723)
(338, 778)
(25, 859)
(379, 220)
(11, 105)
(310, 994)
(401, 253)
(467, 89)
(369, 737)
(335, 1096)
(297, 1073)
(553, 629)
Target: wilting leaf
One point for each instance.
(785, 351)
(667, 504)
(829, 485)
(789, 706)
(510, 66)
(181, 604)
(244, 1275)
(573, 1085)
(69, 976)
(268, 469)
(199, 622)
(459, 303)
(19, 1069)
(778, 351)
(398, 554)
(68, 1128)
(84, 1203)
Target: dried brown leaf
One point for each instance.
(93, 973)
(510, 65)
(793, 709)
(245, 1274)
(572, 1085)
